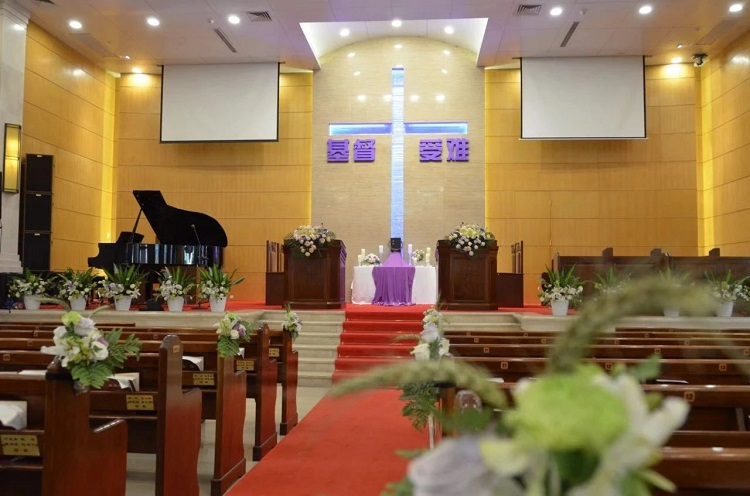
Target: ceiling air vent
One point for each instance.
(259, 16)
(569, 34)
(528, 10)
(46, 1)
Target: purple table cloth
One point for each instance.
(393, 282)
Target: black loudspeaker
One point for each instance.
(38, 174)
(395, 244)
(37, 212)
(36, 249)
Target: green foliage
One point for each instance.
(126, 275)
(421, 402)
(468, 421)
(218, 277)
(404, 487)
(227, 347)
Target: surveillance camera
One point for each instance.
(699, 58)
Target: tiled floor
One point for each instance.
(141, 467)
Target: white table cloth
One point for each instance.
(423, 291)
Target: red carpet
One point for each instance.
(343, 447)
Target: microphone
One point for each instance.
(195, 231)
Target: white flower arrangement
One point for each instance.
(418, 256)
(89, 354)
(217, 284)
(560, 286)
(609, 282)
(728, 289)
(27, 284)
(469, 238)
(75, 284)
(122, 282)
(307, 240)
(292, 323)
(371, 259)
(175, 283)
(232, 331)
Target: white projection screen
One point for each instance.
(220, 102)
(583, 98)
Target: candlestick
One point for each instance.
(427, 256)
(380, 249)
(363, 252)
(409, 247)
(359, 259)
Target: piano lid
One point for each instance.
(176, 226)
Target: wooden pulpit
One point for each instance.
(317, 281)
(467, 282)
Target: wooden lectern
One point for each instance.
(464, 282)
(317, 281)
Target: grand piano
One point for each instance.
(183, 238)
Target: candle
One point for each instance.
(363, 252)
(409, 247)
(380, 249)
(359, 259)
(427, 255)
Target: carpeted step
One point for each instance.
(359, 364)
(375, 351)
(382, 326)
(378, 338)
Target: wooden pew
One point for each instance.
(706, 471)
(162, 419)
(280, 349)
(601, 351)
(64, 456)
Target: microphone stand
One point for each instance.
(201, 263)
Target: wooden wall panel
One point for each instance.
(578, 197)
(69, 113)
(257, 191)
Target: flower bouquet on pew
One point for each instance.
(292, 323)
(90, 355)
(574, 430)
(232, 332)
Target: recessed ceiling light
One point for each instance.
(446, 52)
(398, 46)
(440, 98)
(357, 73)
(153, 21)
(398, 66)
(556, 11)
(344, 32)
(350, 54)
(645, 9)
(735, 7)
(361, 98)
(680, 45)
(448, 29)
(18, 27)
(137, 70)
(126, 57)
(676, 60)
(77, 72)
(233, 19)
(75, 24)
(444, 71)
(396, 23)
(414, 98)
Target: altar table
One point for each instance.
(424, 287)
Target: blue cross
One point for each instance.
(397, 129)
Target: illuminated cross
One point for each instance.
(397, 129)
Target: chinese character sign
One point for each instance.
(364, 150)
(338, 150)
(458, 149)
(431, 150)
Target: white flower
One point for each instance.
(421, 351)
(444, 347)
(84, 326)
(430, 333)
(234, 334)
(100, 350)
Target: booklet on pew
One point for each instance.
(128, 380)
(33, 372)
(13, 414)
(194, 362)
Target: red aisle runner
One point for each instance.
(343, 447)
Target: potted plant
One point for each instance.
(75, 286)
(122, 284)
(30, 287)
(470, 238)
(215, 286)
(308, 240)
(727, 290)
(174, 286)
(609, 282)
(559, 288)
(674, 278)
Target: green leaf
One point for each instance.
(421, 402)
(404, 487)
(647, 369)
(227, 347)
(467, 421)
(575, 467)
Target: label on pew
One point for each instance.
(247, 365)
(19, 445)
(204, 379)
(143, 402)
(273, 352)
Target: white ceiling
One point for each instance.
(114, 28)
